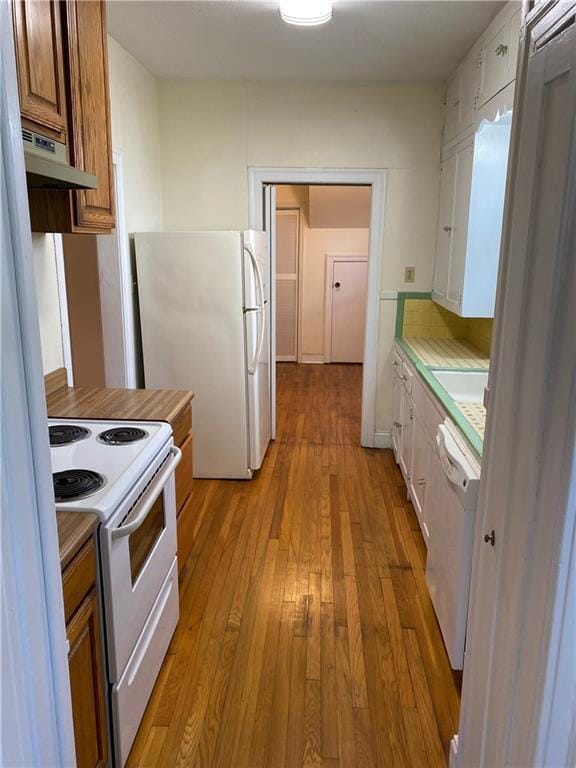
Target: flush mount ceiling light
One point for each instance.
(306, 13)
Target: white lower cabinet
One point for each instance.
(421, 450)
(396, 415)
(406, 441)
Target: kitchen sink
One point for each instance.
(463, 386)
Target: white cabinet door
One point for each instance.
(406, 442)
(499, 53)
(453, 106)
(419, 472)
(443, 237)
(397, 391)
(459, 236)
(469, 90)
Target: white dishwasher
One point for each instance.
(452, 494)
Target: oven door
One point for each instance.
(138, 546)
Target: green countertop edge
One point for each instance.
(440, 393)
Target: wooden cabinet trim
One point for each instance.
(182, 425)
(79, 578)
(184, 473)
(90, 112)
(87, 685)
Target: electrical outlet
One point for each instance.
(409, 274)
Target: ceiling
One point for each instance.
(374, 40)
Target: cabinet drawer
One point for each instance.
(407, 377)
(182, 425)
(184, 473)
(78, 579)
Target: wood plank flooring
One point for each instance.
(306, 636)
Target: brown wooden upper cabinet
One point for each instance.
(62, 63)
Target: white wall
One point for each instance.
(212, 131)
(44, 258)
(136, 133)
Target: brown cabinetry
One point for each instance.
(63, 79)
(40, 61)
(85, 659)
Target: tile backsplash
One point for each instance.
(422, 318)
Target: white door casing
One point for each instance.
(269, 225)
(519, 699)
(287, 279)
(36, 724)
(345, 308)
(376, 178)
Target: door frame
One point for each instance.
(258, 177)
(331, 259)
(37, 725)
(287, 209)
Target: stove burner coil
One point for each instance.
(73, 484)
(64, 434)
(122, 435)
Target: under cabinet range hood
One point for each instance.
(47, 166)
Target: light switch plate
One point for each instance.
(409, 274)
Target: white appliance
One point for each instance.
(205, 319)
(452, 495)
(124, 473)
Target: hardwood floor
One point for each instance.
(306, 636)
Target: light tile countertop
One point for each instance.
(451, 354)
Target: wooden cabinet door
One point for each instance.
(40, 63)
(87, 685)
(91, 135)
(444, 236)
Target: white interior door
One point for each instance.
(270, 228)
(348, 289)
(287, 241)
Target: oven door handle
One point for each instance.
(159, 481)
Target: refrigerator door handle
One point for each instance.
(260, 343)
(258, 274)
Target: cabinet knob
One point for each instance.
(490, 538)
(404, 377)
(336, 285)
(446, 228)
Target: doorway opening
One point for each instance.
(345, 203)
(322, 236)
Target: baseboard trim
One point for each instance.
(382, 440)
(313, 359)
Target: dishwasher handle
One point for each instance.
(451, 458)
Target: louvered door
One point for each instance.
(287, 246)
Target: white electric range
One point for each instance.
(124, 473)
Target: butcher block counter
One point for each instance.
(171, 405)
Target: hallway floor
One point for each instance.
(306, 636)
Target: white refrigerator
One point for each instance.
(205, 317)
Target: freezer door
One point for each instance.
(257, 338)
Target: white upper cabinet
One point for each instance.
(499, 53)
(470, 218)
(461, 97)
(479, 99)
